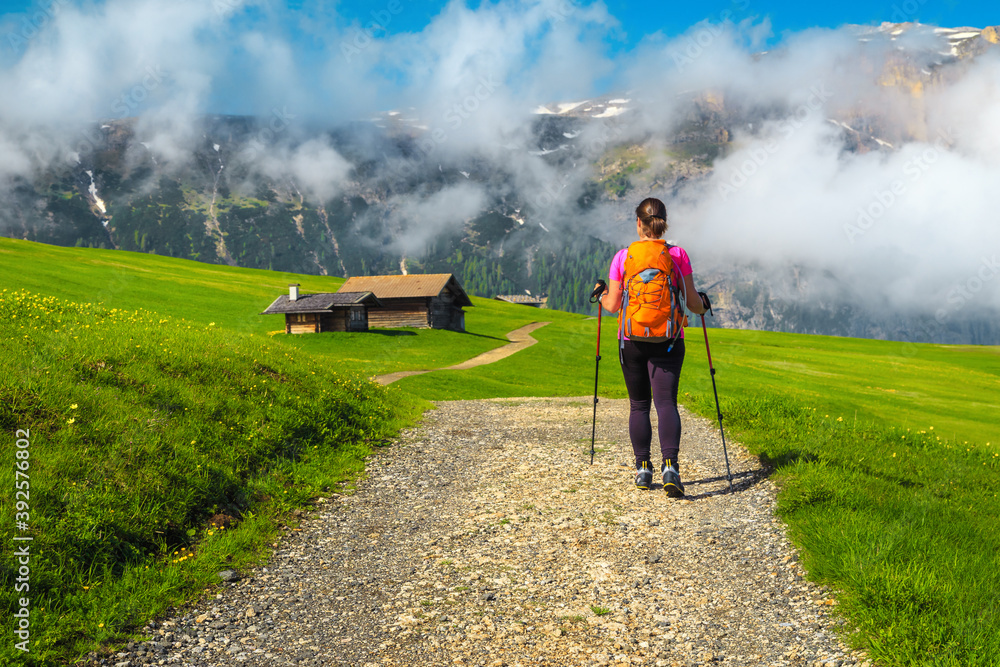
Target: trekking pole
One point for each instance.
(595, 298)
(711, 369)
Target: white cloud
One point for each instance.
(314, 167)
(473, 76)
(421, 219)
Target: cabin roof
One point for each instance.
(402, 287)
(520, 298)
(321, 303)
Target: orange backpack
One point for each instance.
(652, 295)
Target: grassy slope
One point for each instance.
(233, 298)
(900, 520)
(205, 293)
(140, 428)
(950, 388)
(887, 454)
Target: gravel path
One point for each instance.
(484, 537)
(519, 340)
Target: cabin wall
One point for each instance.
(357, 319)
(401, 313)
(445, 314)
(352, 318)
(300, 323)
(333, 321)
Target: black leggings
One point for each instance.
(651, 376)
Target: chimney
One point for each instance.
(293, 292)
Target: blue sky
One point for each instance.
(673, 17)
(670, 17)
(252, 56)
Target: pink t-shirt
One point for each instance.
(677, 253)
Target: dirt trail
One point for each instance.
(519, 340)
(483, 537)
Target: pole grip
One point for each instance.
(598, 291)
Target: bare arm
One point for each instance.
(694, 302)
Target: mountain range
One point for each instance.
(384, 195)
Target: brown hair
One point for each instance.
(653, 216)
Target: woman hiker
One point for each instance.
(652, 369)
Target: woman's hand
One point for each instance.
(705, 301)
(612, 297)
(599, 289)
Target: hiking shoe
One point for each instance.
(644, 476)
(672, 480)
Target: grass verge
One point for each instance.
(888, 474)
(142, 432)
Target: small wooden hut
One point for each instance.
(328, 311)
(432, 301)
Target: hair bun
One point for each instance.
(653, 216)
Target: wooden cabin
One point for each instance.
(433, 301)
(523, 299)
(328, 311)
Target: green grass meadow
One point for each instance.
(887, 458)
(158, 404)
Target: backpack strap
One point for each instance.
(681, 298)
(621, 322)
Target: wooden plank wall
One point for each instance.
(334, 321)
(400, 313)
(339, 319)
(445, 314)
(309, 323)
(360, 322)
